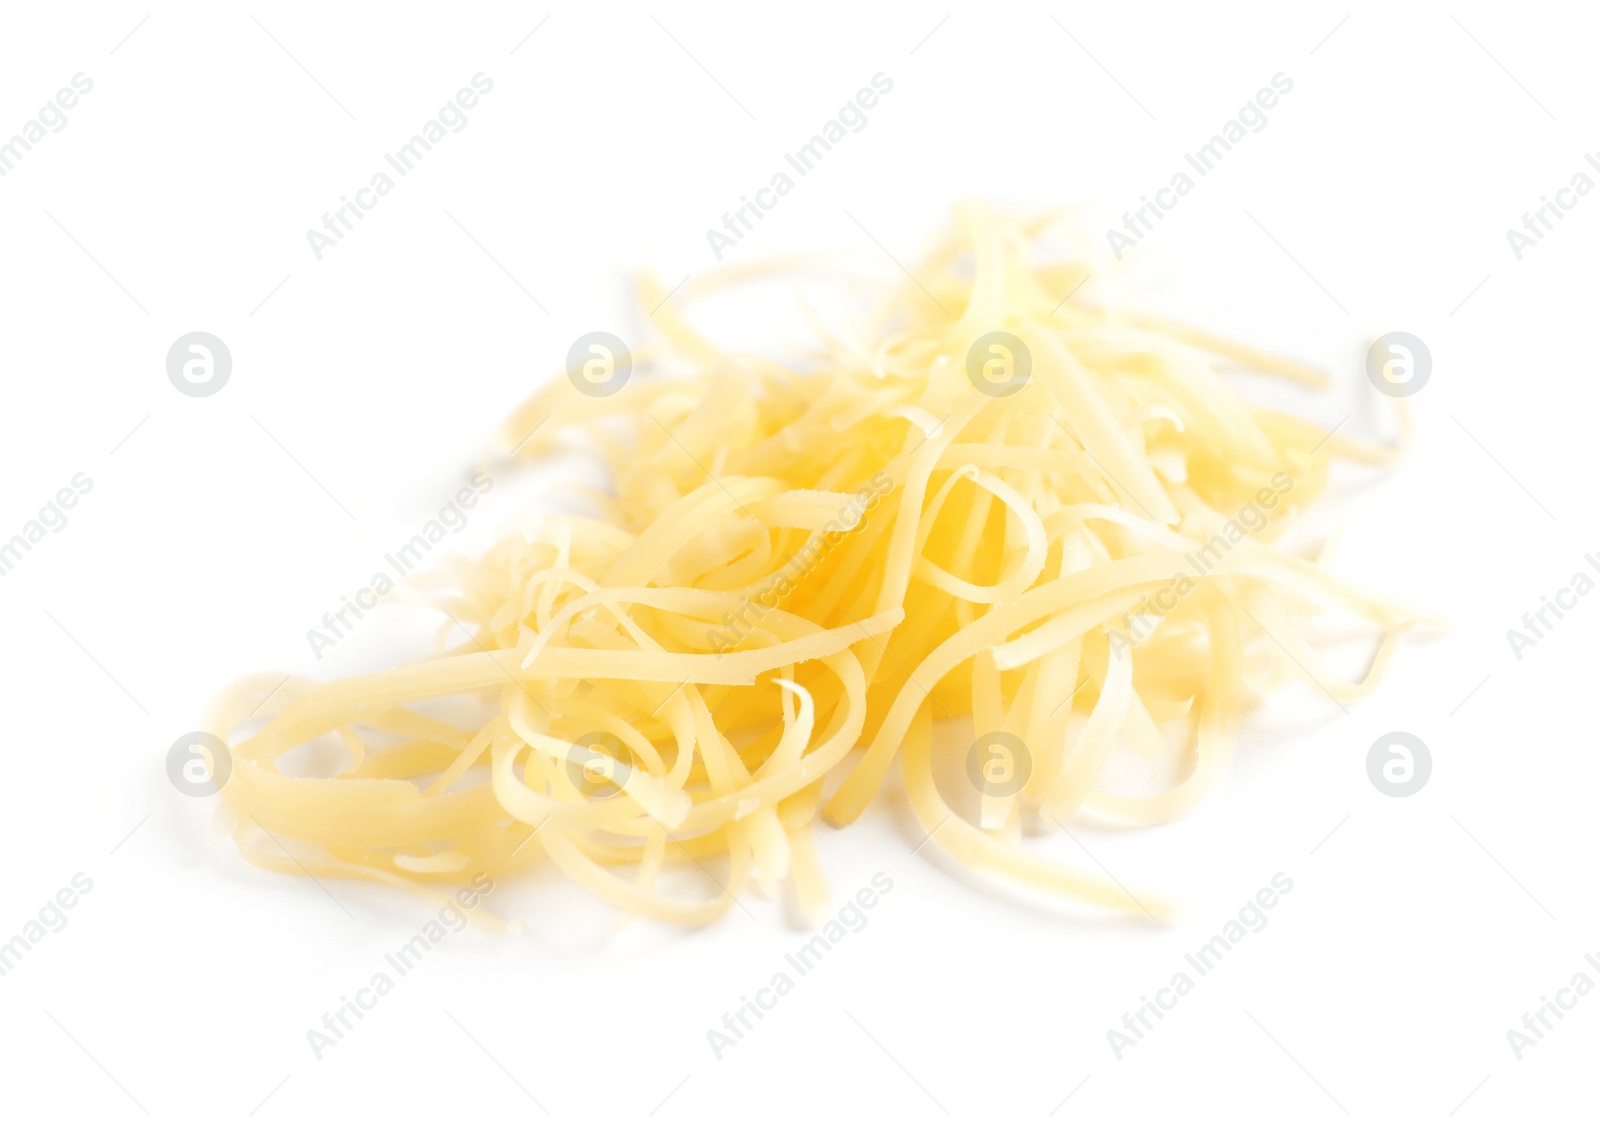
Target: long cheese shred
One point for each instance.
(1051, 520)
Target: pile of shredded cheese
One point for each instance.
(1051, 516)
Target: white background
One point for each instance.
(219, 530)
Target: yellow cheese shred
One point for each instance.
(1051, 521)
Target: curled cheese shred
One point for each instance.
(800, 562)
